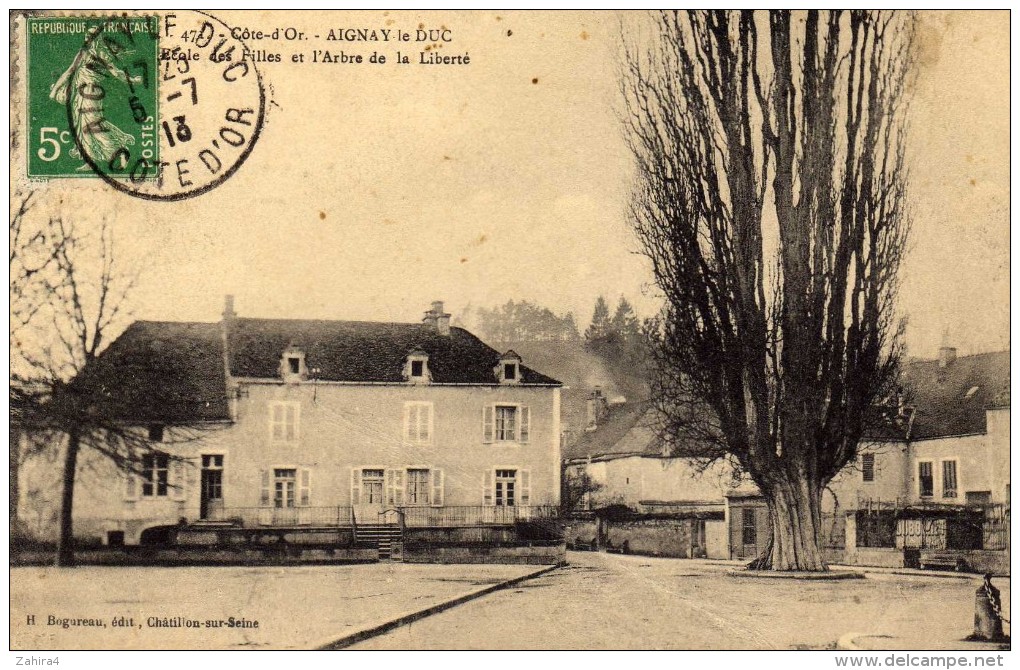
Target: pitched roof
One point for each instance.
(164, 372)
(364, 351)
(952, 400)
(947, 401)
(627, 429)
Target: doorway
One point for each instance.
(211, 505)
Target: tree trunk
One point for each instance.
(14, 452)
(65, 541)
(795, 512)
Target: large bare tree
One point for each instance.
(69, 293)
(770, 200)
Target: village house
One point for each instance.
(315, 424)
(927, 487)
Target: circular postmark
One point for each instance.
(167, 107)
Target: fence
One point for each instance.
(460, 516)
(251, 517)
(413, 517)
(934, 527)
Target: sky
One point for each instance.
(374, 190)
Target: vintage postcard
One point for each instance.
(510, 330)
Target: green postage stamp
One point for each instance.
(92, 96)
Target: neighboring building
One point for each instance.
(317, 423)
(621, 463)
(919, 481)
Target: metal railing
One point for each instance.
(251, 517)
(478, 515)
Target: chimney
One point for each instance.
(228, 308)
(437, 320)
(946, 356)
(596, 409)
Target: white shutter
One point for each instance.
(524, 481)
(425, 417)
(276, 422)
(267, 499)
(398, 487)
(395, 488)
(305, 489)
(487, 423)
(292, 422)
(437, 488)
(408, 422)
(178, 485)
(525, 423)
(130, 486)
(355, 486)
(487, 488)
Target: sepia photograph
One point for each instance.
(510, 330)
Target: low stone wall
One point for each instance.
(579, 533)
(337, 537)
(540, 555)
(874, 557)
(652, 537)
(995, 561)
(291, 555)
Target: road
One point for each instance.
(606, 601)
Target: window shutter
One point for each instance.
(525, 493)
(425, 417)
(178, 485)
(395, 488)
(305, 487)
(409, 424)
(130, 486)
(437, 488)
(525, 423)
(398, 487)
(487, 493)
(276, 422)
(266, 497)
(487, 423)
(355, 486)
(292, 422)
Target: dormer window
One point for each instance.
(292, 365)
(416, 367)
(508, 371)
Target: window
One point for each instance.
(156, 433)
(155, 475)
(506, 423)
(294, 364)
(284, 487)
(418, 422)
(868, 467)
(416, 367)
(503, 487)
(749, 531)
(417, 487)
(372, 486)
(283, 422)
(506, 484)
(925, 479)
(212, 477)
(948, 479)
(509, 371)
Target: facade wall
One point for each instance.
(637, 478)
(889, 481)
(998, 445)
(975, 465)
(340, 428)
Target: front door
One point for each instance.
(373, 490)
(211, 504)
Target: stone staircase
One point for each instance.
(381, 535)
